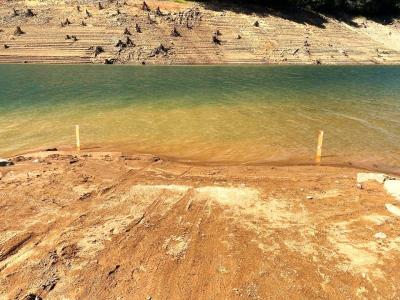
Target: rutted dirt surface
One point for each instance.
(111, 226)
(163, 32)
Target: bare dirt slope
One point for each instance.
(106, 226)
(70, 31)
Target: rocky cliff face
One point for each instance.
(162, 32)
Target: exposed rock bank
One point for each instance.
(163, 32)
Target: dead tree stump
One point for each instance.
(18, 31)
(97, 50)
(29, 13)
(175, 32)
(158, 12)
(14, 13)
(129, 42)
(216, 40)
(145, 7)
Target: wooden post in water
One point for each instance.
(78, 142)
(319, 147)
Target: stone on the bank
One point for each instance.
(363, 177)
(392, 187)
(5, 162)
(380, 235)
(393, 209)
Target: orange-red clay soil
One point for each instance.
(109, 226)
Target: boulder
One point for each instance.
(5, 162)
(393, 209)
(380, 235)
(392, 187)
(379, 177)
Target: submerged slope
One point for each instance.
(68, 32)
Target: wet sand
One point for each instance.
(106, 225)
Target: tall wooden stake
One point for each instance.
(78, 142)
(319, 147)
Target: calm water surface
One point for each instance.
(232, 114)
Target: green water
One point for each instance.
(229, 114)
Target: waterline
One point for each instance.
(235, 114)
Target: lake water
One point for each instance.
(224, 114)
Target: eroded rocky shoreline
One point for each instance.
(164, 32)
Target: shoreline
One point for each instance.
(255, 64)
(101, 224)
(370, 167)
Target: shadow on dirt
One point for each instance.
(298, 15)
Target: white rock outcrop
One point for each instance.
(392, 187)
(393, 209)
(363, 177)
